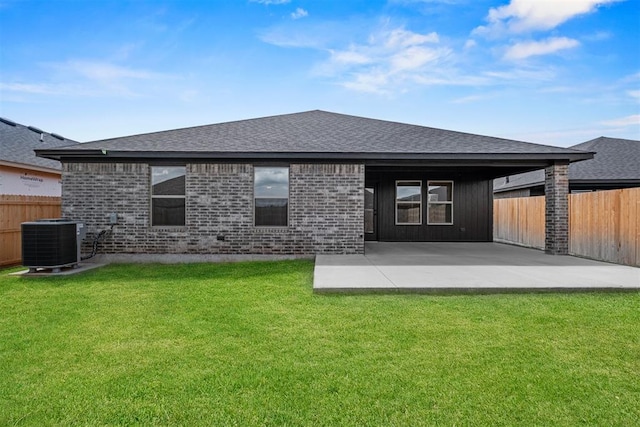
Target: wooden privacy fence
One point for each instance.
(519, 220)
(603, 225)
(15, 210)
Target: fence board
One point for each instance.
(520, 221)
(612, 230)
(15, 210)
(603, 225)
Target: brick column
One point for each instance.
(556, 190)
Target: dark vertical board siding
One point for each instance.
(472, 209)
(489, 189)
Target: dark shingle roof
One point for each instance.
(615, 159)
(311, 132)
(17, 143)
(520, 180)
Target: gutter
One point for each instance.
(102, 155)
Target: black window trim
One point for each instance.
(253, 195)
(152, 196)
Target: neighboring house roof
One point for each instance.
(17, 143)
(312, 135)
(616, 160)
(170, 186)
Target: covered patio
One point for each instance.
(443, 267)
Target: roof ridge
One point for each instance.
(13, 124)
(603, 139)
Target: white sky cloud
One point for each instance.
(469, 44)
(32, 88)
(522, 74)
(429, 1)
(598, 36)
(531, 15)
(402, 38)
(388, 59)
(350, 57)
(524, 50)
(372, 82)
(104, 71)
(632, 77)
(299, 13)
(82, 78)
(140, 69)
(304, 34)
(632, 120)
(469, 99)
(270, 1)
(414, 57)
(107, 78)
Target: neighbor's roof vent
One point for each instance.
(60, 137)
(35, 129)
(8, 122)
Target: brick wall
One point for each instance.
(326, 211)
(557, 209)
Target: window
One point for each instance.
(408, 202)
(168, 195)
(440, 203)
(369, 210)
(271, 196)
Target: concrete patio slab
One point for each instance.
(465, 267)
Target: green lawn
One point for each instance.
(250, 344)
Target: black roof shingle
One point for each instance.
(615, 159)
(17, 143)
(312, 132)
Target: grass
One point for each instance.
(250, 344)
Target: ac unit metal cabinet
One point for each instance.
(50, 243)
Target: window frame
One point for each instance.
(153, 197)
(253, 199)
(447, 202)
(419, 182)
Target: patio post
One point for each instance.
(556, 190)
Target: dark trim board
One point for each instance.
(472, 207)
(533, 160)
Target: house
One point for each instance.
(30, 186)
(308, 183)
(21, 172)
(616, 164)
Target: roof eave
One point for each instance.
(109, 155)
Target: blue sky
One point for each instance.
(558, 72)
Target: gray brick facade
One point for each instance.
(326, 211)
(557, 209)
